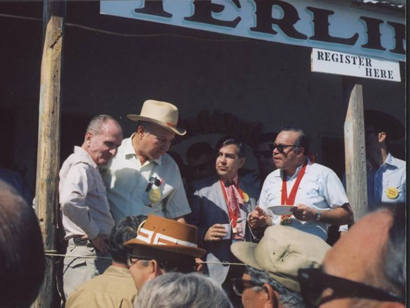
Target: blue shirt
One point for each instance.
(388, 183)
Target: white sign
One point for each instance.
(337, 25)
(335, 62)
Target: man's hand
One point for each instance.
(199, 265)
(215, 233)
(101, 243)
(303, 212)
(258, 218)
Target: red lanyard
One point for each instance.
(291, 200)
(233, 213)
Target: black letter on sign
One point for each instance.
(153, 8)
(321, 22)
(399, 30)
(204, 10)
(373, 33)
(264, 18)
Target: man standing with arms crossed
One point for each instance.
(142, 179)
(314, 191)
(86, 217)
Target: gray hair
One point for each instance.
(287, 298)
(177, 290)
(96, 123)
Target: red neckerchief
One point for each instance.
(285, 200)
(233, 203)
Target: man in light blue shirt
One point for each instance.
(386, 174)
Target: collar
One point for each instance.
(129, 151)
(233, 181)
(391, 161)
(85, 157)
(308, 163)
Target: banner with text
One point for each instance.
(337, 25)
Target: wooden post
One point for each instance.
(48, 152)
(355, 154)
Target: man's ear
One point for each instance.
(381, 137)
(273, 296)
(87, 137)
(242, 162)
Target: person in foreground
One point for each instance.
(177, 290)
(270, 280)
(21, 250)
(115, 286)
(84, 205)
(314, 192)
(162, 245)
(365, 268)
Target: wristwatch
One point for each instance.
(317, 216)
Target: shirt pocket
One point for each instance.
(311, 193)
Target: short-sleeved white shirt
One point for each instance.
(320, 188)
(127, 180)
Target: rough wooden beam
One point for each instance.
(355, 154)
(48, 151)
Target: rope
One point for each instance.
(52, 253)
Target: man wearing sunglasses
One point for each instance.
(314, 192)
(270, 280)
(365, 268)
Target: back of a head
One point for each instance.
(21, 250)
(177, 290)
(125, 230)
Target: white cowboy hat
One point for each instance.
(161, 113)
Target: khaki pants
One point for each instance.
(78, 270)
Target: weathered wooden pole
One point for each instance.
(355, 154)
(48, 147)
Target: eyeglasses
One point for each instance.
(263, 153)
(239, 285)
(313, 282)
(282, 147)
(132, 259)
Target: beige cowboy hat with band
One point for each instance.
(161, 113)
(167, 235)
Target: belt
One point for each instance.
(82, 241)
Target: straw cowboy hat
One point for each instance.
(161, 113)
(167, 235)
(282, 251)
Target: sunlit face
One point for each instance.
(141, 273)
(291, 156)
(228, 162)
(103, 146)
(254, 297)
(356, 256)
(155, 142)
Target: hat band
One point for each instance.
(156, 238)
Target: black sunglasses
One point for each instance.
(313, 281)
(281, 147)
(239, 285)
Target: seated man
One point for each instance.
(162, 245)
(115, 286)
(273, 264)
(365, 268)
(178, 290)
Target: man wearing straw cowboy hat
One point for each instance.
(142, 179)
